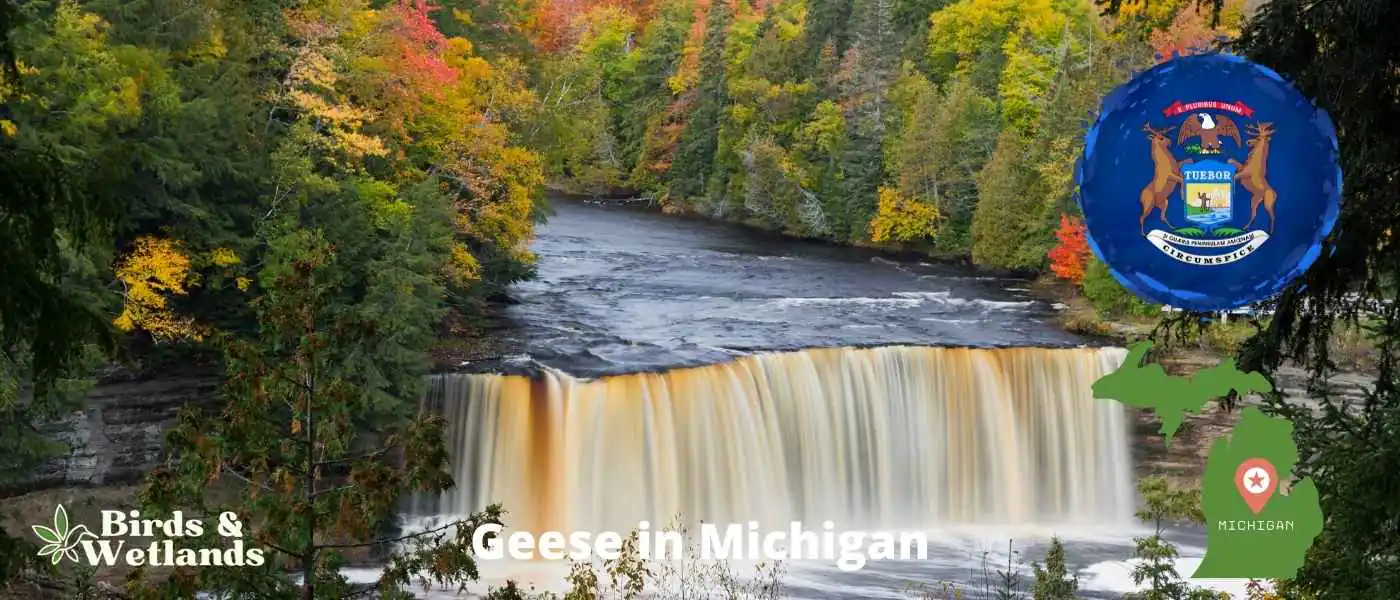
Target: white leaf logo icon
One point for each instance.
(60, 541)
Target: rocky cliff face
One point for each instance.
(120, 433)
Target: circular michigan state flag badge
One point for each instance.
(1208, 183)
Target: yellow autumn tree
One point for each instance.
(466, 134)
(155, 269)
(463, 269)
(314, 85)
(902, 219)
(1153, 13)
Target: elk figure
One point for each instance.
(1166, 175)
(1253, 173)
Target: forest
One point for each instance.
(946, 127)
(309, 194)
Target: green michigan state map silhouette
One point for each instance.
(1258, 525)
(1148, 386)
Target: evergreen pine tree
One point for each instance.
(1053, 581)
(699, 144)
(318, 447)
(1009, 210)
(645, 93)
(868, 71)
(827, 23)
(1156, 568)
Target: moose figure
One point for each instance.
(1252, 174)
(1166, 175)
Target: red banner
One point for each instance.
(1178, 108)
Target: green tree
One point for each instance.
(574, 128)
(498, 29)
(1343, 447)
(969, 38)
(868, 70)
(645, 94)
(158, 108)
(738, 120)
(942, 142)
(1163, 503)
(695, 157)
(186, 86)
(911, 19)
(1011, 214)
(1053, 580)
(826, 32)
(773, 194)
(1109, 298)
(819, 144)
(1340, 444)
(54, 235)
(319, 454)
(199, 137)
(1090, 62)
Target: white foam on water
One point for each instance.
(947, 298)
(956, 555)
(858, 301)
(1117, 577)
(906, 300)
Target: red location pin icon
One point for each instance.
(1256, 479)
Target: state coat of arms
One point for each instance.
(1181, 177)
(1209, 183)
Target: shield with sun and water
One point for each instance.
(1208, 190)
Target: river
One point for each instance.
(624, 290)
(665, 367)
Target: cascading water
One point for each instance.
(893, 437)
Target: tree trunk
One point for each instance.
(308, 565)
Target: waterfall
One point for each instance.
(893, 437)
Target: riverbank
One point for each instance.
(620, 199)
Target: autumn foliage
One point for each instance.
(420, 47)
(902, 219)
(1070, 256)
(155, 269)
(1191, 31)
(553, 21)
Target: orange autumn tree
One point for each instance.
(1191, 31)
(432, 108)
(464, 136)
(1070, 257)
(553, 28)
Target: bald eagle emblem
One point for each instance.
(1210, 185)
(1209, 129)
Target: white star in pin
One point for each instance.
(1256, 480)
